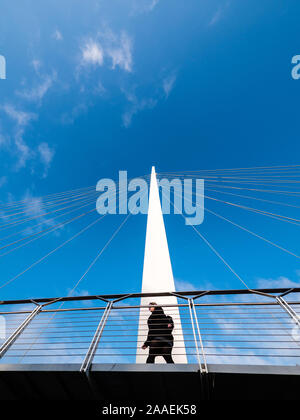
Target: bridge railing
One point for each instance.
(256, 327)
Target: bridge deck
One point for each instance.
(147, 383)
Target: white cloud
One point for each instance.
(36, 65)
(24, 152)
(109, 49)
(77, 110)
(22, 119)
(143, 6)
(216, 17)
(139, 104)
(79, 292)
(280, 282)
(38, 92)
(184, 286)
(57, 35)
(136, 105)
(34, 208)
(46, 153)
(219, 14)
(99, 89)
(168, 84)
(92, 53)
(152, 4)
(117, 48)
(46, 156)
(15, 142)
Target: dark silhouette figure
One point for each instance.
(160, 339)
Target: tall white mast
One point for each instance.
(158, 277)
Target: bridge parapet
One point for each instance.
(239, 327)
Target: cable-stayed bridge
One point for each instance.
(238, 344)
(242, 343)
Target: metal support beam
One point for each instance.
(5, 346)
(283, 303)
(287, 292)
(94, 343)
(191, 304)
(200, 338)
(204, 383)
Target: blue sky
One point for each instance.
(100, 86)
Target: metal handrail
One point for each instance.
(265, 330)
(156, 294)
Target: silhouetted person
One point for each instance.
(160, 339)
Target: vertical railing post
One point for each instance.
(6, 345)
(204, 380)
(283, 303)
(200, 338)
(194, 333)
(94, 343)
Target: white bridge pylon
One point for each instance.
(158, 277)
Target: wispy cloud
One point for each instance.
(185, 285)
(279, 282)
(21, 119)
(14, 140)
(57, 35)
(218, 15)
(119, 49)
(182, 285)
(46, 154)
(108, 45)
(23, 150)
(36, 64)
(143, 6)
(70, 117)
(112, 50)
(99, 89)
(35, 209)
(136, 105)
(168, 84)
(20, 148)
(39, 91)
(92, 53)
